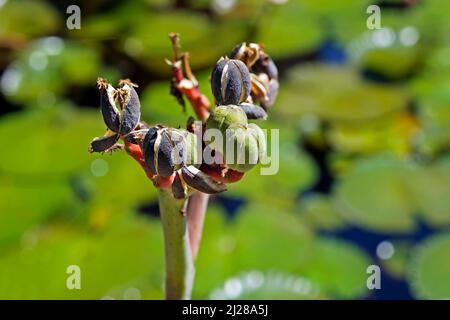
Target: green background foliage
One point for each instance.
(364, 119)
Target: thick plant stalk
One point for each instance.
(180, 269)
(196, 210)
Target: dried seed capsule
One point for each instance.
(230, 81)
(247, 53)
(253, 111)
(243, 147)
(164, 150)
(108, 107)
(200, 181)
(104, 143)
(136, 137)
(265, 65)
(259, 87)
(272, 94)
(131, 107)
(148, 148)
(238, 51)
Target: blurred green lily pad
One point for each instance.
(259, 241)
(375, 195)
(23, 19)
(345, 97)
(101, 258)
(428, 271)
(47, 68)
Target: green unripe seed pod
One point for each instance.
(244, 147)
(224, 116)
(221, 119)
(191, 155)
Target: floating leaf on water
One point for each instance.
(375, 195)
(428, 271)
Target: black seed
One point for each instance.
(108, 108)
(253, 111)
(177, 187)
(131, 112)
(201, 181)
(103, 143)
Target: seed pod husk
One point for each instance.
(148, 148)
(238, 51)
(131, 108)
(272, 94)
(110, 113)
(164, 150)
(102, 144)
(247, 53)
(265, 65)
(198, 180)
(230, 81)
(253, 111)
(136, 137)
(179, 190)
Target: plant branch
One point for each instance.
(186, 84)
(180, 269)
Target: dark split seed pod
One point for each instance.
(253, 112)
(272, 94)
(104, 143)
(198, 180)
(110, 113)
(247, 53)
(136, 137)
(230, 82)
(266, 65)
(131, 107)
(158, 148)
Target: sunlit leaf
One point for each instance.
(429, 271)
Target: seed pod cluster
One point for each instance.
(263, 72)
(165, 150)
(168, 152)
(119, 120)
